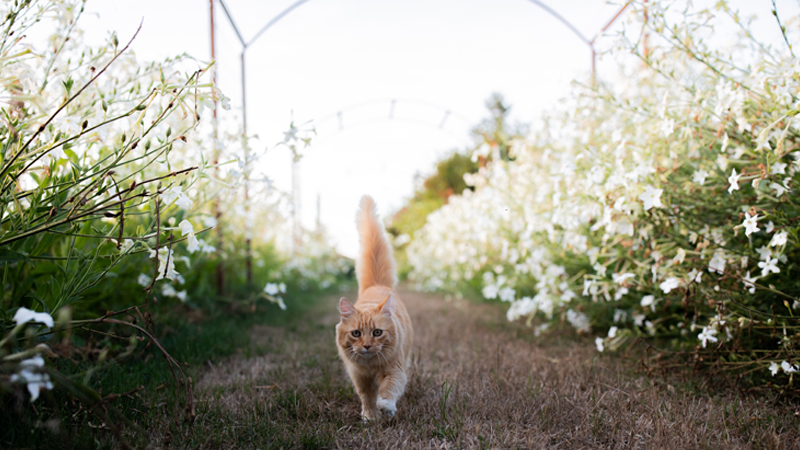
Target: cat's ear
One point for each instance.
(387, 306)
(346, 309)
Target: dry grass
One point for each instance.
(478, 383)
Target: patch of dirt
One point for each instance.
(477, 382)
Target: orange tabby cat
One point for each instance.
(374, 335)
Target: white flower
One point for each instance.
(282, 288)
(206, 247)
(778, 239)
(750, 224)
(144, 279)
(612, 332)
(291, 134)
(25, 315)
(184, 202)
(620, 293)
(271, 289)
(778, 168)
(769, 266)
(589, 287)
(779, 189)
(724, 146)
(225, 102)
(281, 305)
(764, 253)
(770, 226)
(700, 176)
(507, 294)
(667, 127)
(620, 278)
(578, 320)
(748, 282)
(734, 181)
(210, 222)
(165, 257)
(649, 300)
(171, 194)
(670, 284)
(490, 291)
(762, 141)
(695, 276)
(68, 124)
(773, 368)
(680, 256)
(175, 194)
(186, 227)
(599, 343)
(168, 291)
(36, 380)
(651, 197)
(127, 244)
(56, 154)
(707, 335)
(182, 296)
(638, 319)
(193, 244)
(788, 368)
(600, 269)
(717, 263)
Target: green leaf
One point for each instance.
(7, 255)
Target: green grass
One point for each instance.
(58, 420)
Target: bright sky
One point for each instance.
(326, 55)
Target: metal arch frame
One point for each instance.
(298, 3)
(390, 118)
(448, 112)
(247, 44)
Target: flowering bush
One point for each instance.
(665, 205)
(99, 162)
(109, 190)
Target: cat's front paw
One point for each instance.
(387, 407)
(370, 415)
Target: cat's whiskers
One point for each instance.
(351, 354)
(381, 355)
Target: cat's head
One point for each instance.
(366, 333)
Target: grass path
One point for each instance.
(478, 382)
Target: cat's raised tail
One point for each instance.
(375, 265)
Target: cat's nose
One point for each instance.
(366, 347)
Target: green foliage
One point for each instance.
(493, 137)
(659, 208)
(106, 176)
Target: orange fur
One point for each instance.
(378, 365)
(375, 265)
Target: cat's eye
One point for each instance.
(377, 333)
(356, 333)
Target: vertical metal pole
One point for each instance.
(319, 210)
(296, 207)
(646, 49)
(215, 123)
(247, 229)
